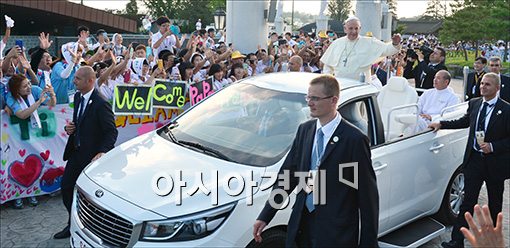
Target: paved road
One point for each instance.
(35, 226)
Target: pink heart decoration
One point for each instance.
(2, 181)
(2, 172)
(2, 198)
(29, 191)
(22, 152)
(26, 173)
(45, 155)
(52, 162)
(21, 191)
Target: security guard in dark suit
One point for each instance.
(495, 66)
(474, 78)
(487, 151)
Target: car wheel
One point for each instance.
(270, 238)
(453, 198)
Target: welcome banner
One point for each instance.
(31, 159)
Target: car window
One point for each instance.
(359, 113)
(248, 124)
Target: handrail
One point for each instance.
(398, 108)
(452, 107)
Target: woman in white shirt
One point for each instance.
(217, 73)
(118, 49)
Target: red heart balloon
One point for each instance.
(27, 172)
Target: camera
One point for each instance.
(177, 60)
(425, 50)
(107, 47)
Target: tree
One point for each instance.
(457, 5)
(435, 10)
(478, 22)
(169, 8)
(392, 5)
(339, 9)
(188, 11)
(400, 28)
(131, 8)
(217, 4)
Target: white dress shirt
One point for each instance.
(327, 130)
(488, 114)
(86, 98)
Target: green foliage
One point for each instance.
(188, 11)
(131, 8)
(436, 10)
(217, 4)
(339, 9)
(476, 22)
(400, 28)
(452, 61)
(168, 8)
(392, 4)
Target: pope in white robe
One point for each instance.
(353, 54)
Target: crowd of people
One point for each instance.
(487, 49)
(31, 77)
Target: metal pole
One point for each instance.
(292, 18)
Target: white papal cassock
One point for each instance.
(346, 58)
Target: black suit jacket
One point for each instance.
(97, 131)
(504, 91)
(337, 221)
(497, 133)
(430, 71)
(381, 75)
(471, 82)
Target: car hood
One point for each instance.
(130, 169)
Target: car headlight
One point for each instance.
(190, 227)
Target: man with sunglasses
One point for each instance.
(327, 217)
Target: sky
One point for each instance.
(405, 8)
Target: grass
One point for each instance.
(456, 61)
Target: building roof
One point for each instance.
(61, 17)
(334, 25)
(421, 27)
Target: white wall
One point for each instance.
(370, 14)
(246, 25)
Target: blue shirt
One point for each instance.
(14, 104)
(62, 86)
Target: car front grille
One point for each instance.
(110, 228)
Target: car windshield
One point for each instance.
(244, 123)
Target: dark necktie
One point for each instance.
(77, 124)
(481, 118)
(481, 122)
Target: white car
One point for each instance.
(134, 195)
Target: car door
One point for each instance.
(361, 113)
(416, 166)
